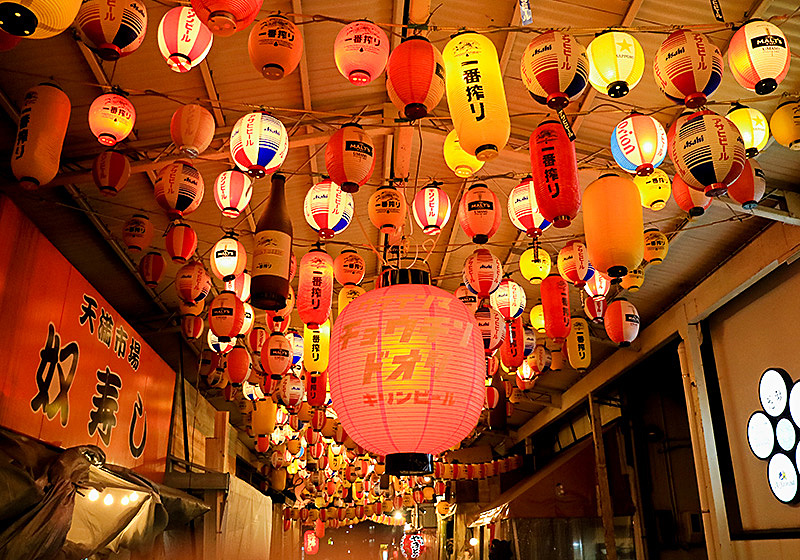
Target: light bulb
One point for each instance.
(124, 501)
(108, 500)
(93, 495)
(473, 541)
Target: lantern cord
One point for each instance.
(366, 238)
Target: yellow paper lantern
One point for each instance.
(263, 417)
(460, 162)
(37, 19)
(785, 124)
(753, 127)
(654, 189)
(348, 293)
(277, 480)
(387, 209)
(537, 317)
(616, 63)
(579, 348)
(535, 265)
(316, 347)
(656, 246)
(633, 280)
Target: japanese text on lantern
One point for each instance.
(471, 75)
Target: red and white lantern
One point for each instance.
(482, 272)
(431, 209)
(598, 285)
(524, 210)
(226, 316)
(328, 209)
(111, 171)
(688, 68)
(573, 263)
(692, 201)
(350, 157)
(193, 282)
(479, 213)
(240, 286)
(181, 242)
(111, 118)
(259, 144)
(257, 338)
(232, 192)
(137, 233)
(467, 297)
(276, 356)
(192, 327)
(228, 258)
(595, 309)
(112, 29)
(749, 188)
(555, 173)
(492, 327)
(152, 268)
(179, 189)
(555, 69)
(622, 322)
(361, 51)
(509, 299)
(184, 41)
(226, 17)
(758, 56)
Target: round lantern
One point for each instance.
(240, 285)
(512, 350)
(367, 393)
(753, 127)
(276, 357)
(387, 209)
(328, 209)
(616, 63)
(654, 189)
(350, 157)
(482, 272)
(184, 41)
(137, 233)
(460, 162)
(181, 242)
(275, 46)
(361, 51)
(226, 316)
(524, 210)
(232, 192)
(555, 307)
(579, 348)
(152, 268)
(238, 365)
(536, 317)
(749, 188)
(37, 19)
(259, 143)
(192, 327)
(573, 263)
(622, 322)
(192, 282)
(540, 360)
(555, 69)
(467, 297)
(785, 124)
(192, 129)
(111, 171)
(179, 189)
(595, 309)
(555, 173)
(613, 224)
(431, 208)
(220, 348)
(111, 118)
(112, 29)
(415, 77)
(639, 144)
(249, 318)
(656, 245)
(291, 391)
(688, 68)
(479, 213)
(228, 258)
(633, 280)
(508, 299)
(315, 288)
(689, 200)
(535, 264)
(758, 56)
(316, 350)
(226, 17)
(257, 338)
(263, 417)
(349, 267)
(597, 286)
(475, 95)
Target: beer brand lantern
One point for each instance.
(328, 209)
(622, 322)
(555, 69)
(555, 306)
(276, 357)
(595, 309)
(555, 173)
(475, 95)
(152, 268)
(524, 210)
(181, 242)
(232, 192)
(179, 189)
(688, 68)
(467, 297)
(315, 288)
(749, 188)
(579, 348)
(111, 118)
(240, 286)
(573, 263)
(350, 157)
(633, 280)
(137, 233)
(192, 282)
(184, 41)
(512, 350)
(785, 124)
(479, 213)
(349, 267)
(259, 144)
(275, 46)
(387, 209)
(361, 51)
(228, 258)
(692, 201)
(431, 209)
(639, 144)
(192, 327)
(296, 340)
(752, 125)
(460, 162)
(656, 245)
(220, 347)
(482, 272)
(613, 224)
(535, 264)
(257, 338)
(316, 387)
(536, 317)
(238, 365)
(654, 189)
(226, 17)
(529, 334)
(415, 77)
(316, 347)
(597, 286)
(38, 19)
(508, 299)
(540, 360)
(249, 318)
(291, 391)
(616, 63)
(192, 129)
(111, 171)
(758, 56)
(112, 29)
(226, 316)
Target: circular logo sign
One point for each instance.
(782, 476)
(760, 435)
(773, 391)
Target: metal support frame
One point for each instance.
(603, 488)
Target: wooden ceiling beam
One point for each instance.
(211, 91)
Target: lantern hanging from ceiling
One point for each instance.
(387, 209)
(228, 258)
(192, 282)
(259, 144)
(328, 209)
(579, 347)
(181, 242)
(536, 317)
(597, 286)
(415, 77)
(749, 188)
(633, 280)
(540, 360)
(555, 173)
(226, 316)
(479, 213)
(688, 68)
(111, 118)
(460, 162)
(529, 334)
(361, 50)
(316, 347)
(347, 294)
(221, 348)
(232, 192)
(257, 338)
(226, 17)
(475, 95)
(192, 327)
(785, 124)
(573, 263)
(291, 391)
(656, 246)
(112, 29)
(191, 308)
(616, 63)
(152, 268)
(654, 189)
(509, 299)
(639, 144)
(482, 272)
(350, 157)
(758, 56)
(184, 41)
(349, 267)
(249, 318)
(137, 233)
(111, 171)
(622, 322)
(263, 417)
(512, 350)
(595, 309)
(689, 200)
(555, 307)
(317, 381)
(613, 224)
(275, 46)
(752, 125)
(276, 358)
(535, 265)
(555, 69)
(431, 209)
(179, 189)
(37, 19)
(192, 129)
(467, 297)
(238, 365)
(240, 286)
(315, 288)
(524, 210)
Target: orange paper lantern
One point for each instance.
(479, 213)
(555, 306)
(275, 46)
(111, 118)
(137, 233)
(349, 157)
(415, 77)
(315, 288)
(152, 268)
(192, 129)
(361, 51)
(111, 171)
(226, 316)
(226, 17)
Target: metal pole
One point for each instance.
(604, 492)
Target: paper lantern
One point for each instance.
(275, 46)
(37, 19)
(111, 171)
(238, 365)
(179, 189)
(555, 307)
(112, 29)
(633, 280)
(540, 360)
(785, 124)
(152, 268)
(192, 282)
(249, 318)
(111, 118)
(508, 299)
(257, 338)
(482, 272)
(529, 335)
(228, 258)
(479, 213)
(350, 157)
(467, 297)
(315, 288)
(536, 317)
(555, 69)
(460, 162)
(259, 144)
(291, 391)
(688, 68)
(749, 188)
(192, 129)
(226, 17)
(597, 286)
(137, 233)
(512, 350)
(192, 327)
(181, 242)
(240, 285)
(622, 322)
(595, 309)
(365, 390)
(232, 192)
(535, 265)
(613, 224)
(415, 77)
(387, 209)
(263, 417)
(656, 245)
(361, 51)
(328, 209)
(639, 144)
(616, 63)
(753, 127)
(524, 210)
(758, 56)
(276, 357)
(431, 208)
(579, 347)
(184, 41)
(689, 200)
(316, 349)
(555, 173)
(654, 189)
(349, 267)
(225, 316)
(475, 95)
(573, 263)
(278, 320)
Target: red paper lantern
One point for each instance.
(226, 17)
(415, 77)
(181, 242)
(482, 272)
(316, 388)
(555, 69)
(361, 51)
(315, 288)
(512, 351)
(232, 192)
(431, 209)
(349, 157)
(555, 173)
(749, 188)
(275, 46)
(524, 210)
(184, 41)
(509, 299)
(349, 267)
(595, 309)
(238, 365)
(192, 282)
(689, 200)
(152, 268)
(178, 189)
(597, 286)
(479, 213)
(622, 322)
(257, 338)
(111, 171)
(555, 304)
(192, 129)
(228, 258)
(688, 68)
(277, 359)
(192, 327)
(573, 263)
(111, 118)
(492, 327)
(240, 286)
(112, 29)
(225, 316)
(137, 233)
(758, 56)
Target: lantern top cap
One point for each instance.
(415, 37)
(353, 124)
(140, 216)
(604, 175)
(395, 276)
(619, 299)
(348, 250)
(652, 229)
(795, 101)
(51, 84)
(735, 106)
(227, 292)
(474, 185)
(463, 32)
(278, 15)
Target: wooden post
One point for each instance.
(216, 459)
(603, 490)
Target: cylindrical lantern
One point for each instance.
(226, 17)
(257, 338)
(112, 29)
(597, 286)
(192, 327)
(785, 124)
(555, 307)
(350, 157)
(40, 135)
(228, 258)
(238, 365)
(753, 127)
(137, 233)
(689, 200)
(633, 280)
(535, 264)
(509, 299)
(387, 209)
(415, 77)
(276, 356)
(316, 348)
(622, 322)
(275, 46)
(316, 384)
(181, 242)
(595, 309)
(475, 95)
(688, 68)
(431, 208)
(37, 19)
(579, 347)
(263, 417)
(524, 210)
(315, 288)
(232, 192)
(361, 51)
(111, 171)
(616, 63)
(111, 118)
(259, 144)
(479, 213)
(192, 282)
(639, 144)
(226, 316)
(555, 69)
(328, 209)
(184, 41)
(573, 263)
(749, 188)
(152, 268)
(482, 272)
(192, 129)
(758, 56)
(555, 173)
(512, 350)
(613, 224)
(240, 285)
(460, 162)
(179, 189)
(656, 245)
(349, 267)
(654, 189)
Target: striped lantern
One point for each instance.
(555, 306)
(238, 365)
(595, 309)
(192, 129)
(361, 50)
(578, 345)
(192, 282)
(276, 357)
(656, 246)
(184, 41)
(232, 192)
(387, 209)
(749, 188)
(709, 153)
(752, 125)
(573, 263)
(482, 272)
(316, 349)
(192, 327)
(111, 171)
(111, 118)
(597, 286)
(688, 68)
(137, 233)
(38, 19)
(315, 288)
(512, 350)
(689, 200)
(228, 258)
(240, 286)
(758, 56)
(257, 338)
(249, 318)
(112, 29)
(275, 46)
(654, 189)
(349, 267)
(639, 144)
(479, 213)
(622, 322)
(226, 17)
(785, 124)
(529, 334)
(467, 297)
(152, 268)
(226, 316)
(328, 209)
(259, 143)
(460, 162)
(535, 264)
(633, 280)
(524, 210)
(555, 69)
(509, 299)
(415, 77)
(179, 189)
(350, 157)
(540, 359)
(431, 208)
(555, 173)
(616, 63)
(181, 242)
